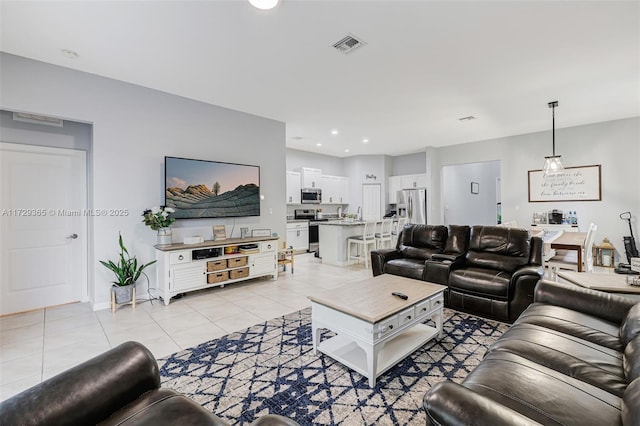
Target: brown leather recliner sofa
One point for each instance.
(571, 358)
(489, 270)
(118, 387)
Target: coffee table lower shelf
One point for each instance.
(350, 354)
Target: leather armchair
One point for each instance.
(498, 273)
(416, 244)
(118, 387)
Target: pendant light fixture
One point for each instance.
(264, 4)
(553, 163)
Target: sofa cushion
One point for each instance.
(630, 327)
(574, 323)
(499, 248)
(410, 268)
(575, 357)
(481, 281)
(422, 241)
(540, 393)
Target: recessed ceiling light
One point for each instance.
(334, 131)
(468, 118)
(69, 54)
(318, 144)
(346, 150)
(264, 4)
(365, 140)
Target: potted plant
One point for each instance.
(127, 271)
(159, 219)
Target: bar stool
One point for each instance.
(383, 238)
(368, 238)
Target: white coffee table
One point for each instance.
(374, 329)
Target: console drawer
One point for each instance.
(386, 326)
(238, 273)
(438, 301)
(216, 265)
(268, 246)
(180, 257)
(406, 316)
(217, 277)
(423, 307)
(237, 261)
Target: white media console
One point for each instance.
(182, 268)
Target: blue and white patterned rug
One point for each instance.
(270, 368)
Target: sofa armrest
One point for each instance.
(444, 257)
(448, 403)
(607, 306)
(528, 271)
(87, 393)
(382, 256)
(521, 289)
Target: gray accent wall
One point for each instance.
(133, 129)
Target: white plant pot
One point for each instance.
(164, 236)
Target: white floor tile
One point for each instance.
(37, 345)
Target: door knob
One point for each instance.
(72, 236)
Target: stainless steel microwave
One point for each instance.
(311, 196)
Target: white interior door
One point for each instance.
(371, 207)
(43, 247)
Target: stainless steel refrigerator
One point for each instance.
(412, 204)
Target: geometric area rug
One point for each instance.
(270, 368)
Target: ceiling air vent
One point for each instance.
(348, 44)
(38, 119)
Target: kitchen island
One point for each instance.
(332, 238)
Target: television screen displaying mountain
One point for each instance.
(210, 189)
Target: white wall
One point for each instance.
(330, 165)
(614, 144)
(460, 205)
(133, 129)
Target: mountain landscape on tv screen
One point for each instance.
(199, 201)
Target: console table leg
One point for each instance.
(372, 363)
(315, 336)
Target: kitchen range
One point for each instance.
(312, 216)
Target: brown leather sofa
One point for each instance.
(498, 273)
(571, 358)
(416, 244)
(118, 387)
(489, 270)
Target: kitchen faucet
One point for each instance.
(358, 214)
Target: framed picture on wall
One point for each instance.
(574, 184)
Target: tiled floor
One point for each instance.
(39, 344)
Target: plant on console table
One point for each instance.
(159, 219)
(127, 271)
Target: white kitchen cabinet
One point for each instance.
(311, 178)
(298, 235)
(293, 188)
(413, 181)
(343, 190)
(394, 185)
(335, 190)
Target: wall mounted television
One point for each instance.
(199, 189)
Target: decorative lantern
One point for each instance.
(605, 253)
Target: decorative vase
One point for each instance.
(124, 293)
(164, 236)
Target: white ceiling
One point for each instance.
(426, 63)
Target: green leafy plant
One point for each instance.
(158, 217)
(127, 270)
